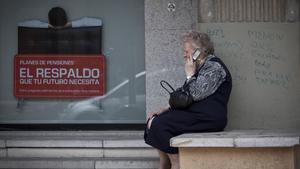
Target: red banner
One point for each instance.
(59, 76)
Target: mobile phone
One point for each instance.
(196, 54)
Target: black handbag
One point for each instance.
(179, 98)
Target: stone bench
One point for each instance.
(237, 149)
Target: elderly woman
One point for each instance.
(209, 84)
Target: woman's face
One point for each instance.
(188, 50)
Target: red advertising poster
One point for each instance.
(59, 76)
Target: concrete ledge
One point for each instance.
(51, 139)
(53, 143)
(278, 141)
(130, 152)
(80, 163)
(47, 163)
(77, 152)
(145, 163)
(61, 134)
(241, 138)
(125, 143)
(54, 152)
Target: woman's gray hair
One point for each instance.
(199, 40)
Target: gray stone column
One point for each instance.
(165, 22)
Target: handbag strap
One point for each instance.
(163, 86)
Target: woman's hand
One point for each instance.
(152, 114)
(190, 66)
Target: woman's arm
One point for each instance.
(209, 78)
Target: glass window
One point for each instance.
(121, 42)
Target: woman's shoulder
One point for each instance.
(213, 65)
(213, 62)
(214, 58)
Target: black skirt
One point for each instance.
(176, 122)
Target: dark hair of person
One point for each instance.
(57, 17)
